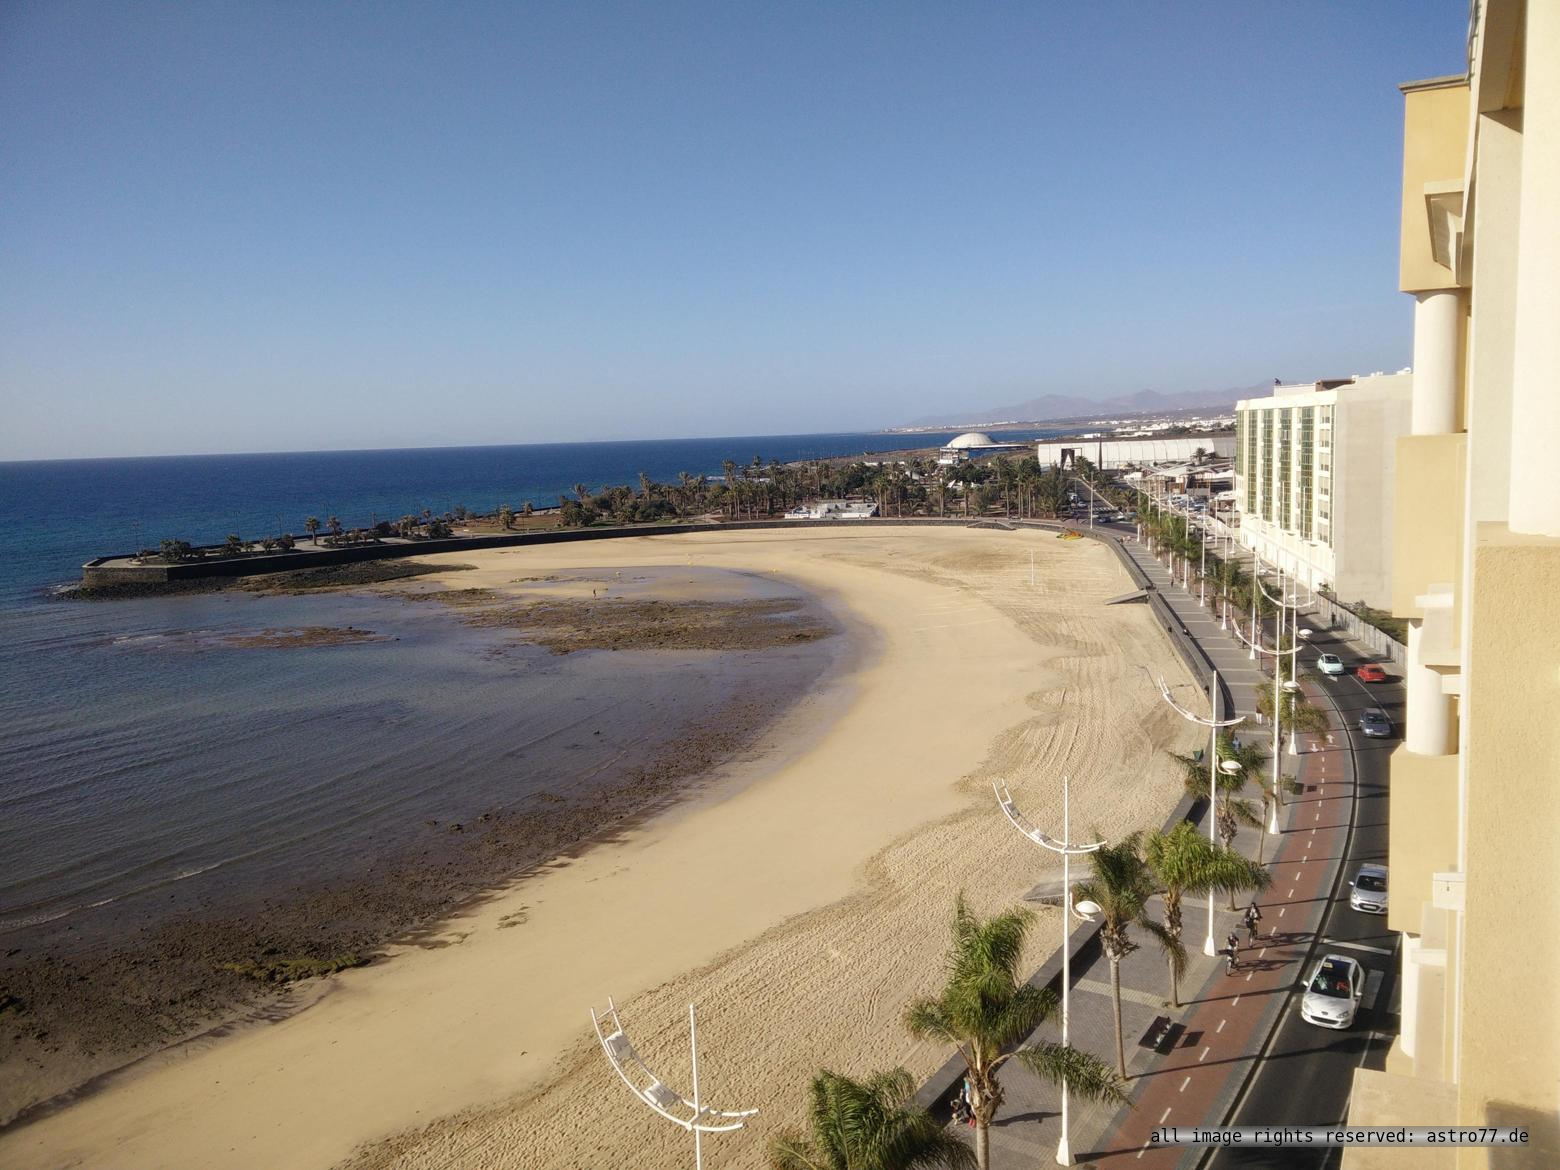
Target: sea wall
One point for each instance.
(119, 569)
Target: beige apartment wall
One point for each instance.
(1510, 1052)
(1427, 533)
(1498, 191)
(1382, 1099)
(1421, 831)
(1435, 141)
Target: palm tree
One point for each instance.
(1121, 887)
(334, 524)
(867, 1125)
(985, 1010)
(312, 527)
(1185, 863)
(1232, 810)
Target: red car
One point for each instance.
(1370, 672)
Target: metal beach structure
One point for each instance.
(690, 1114)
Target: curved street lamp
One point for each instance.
(1084, 911)
(691, 1115)
(1210, 948)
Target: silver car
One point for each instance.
(1369, 892)
(1374, 723)
(1333, 993)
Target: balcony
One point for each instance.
(1428, 521)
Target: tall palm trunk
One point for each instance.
(1173, 927)
(1115, 995)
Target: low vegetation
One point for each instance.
(279, 969)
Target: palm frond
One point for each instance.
(1087, 1076)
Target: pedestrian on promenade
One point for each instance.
(1253, 917)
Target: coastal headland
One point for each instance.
(799, 897)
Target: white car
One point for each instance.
(1369, 889)
(1330, 664)
(1333, 993)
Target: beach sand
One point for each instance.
(801, 898)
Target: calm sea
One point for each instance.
(139, 752)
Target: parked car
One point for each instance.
(1370, 672)
(1374, 723)
(1330, 664)
(1369, 892)
(1333, 993)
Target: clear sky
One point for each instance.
(275, 226)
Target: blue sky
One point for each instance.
(295, 225)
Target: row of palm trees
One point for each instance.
(1017, 487)
(987, 1014)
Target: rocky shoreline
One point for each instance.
(73, 1010)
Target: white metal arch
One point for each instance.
(651, 1089)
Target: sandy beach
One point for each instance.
(800, 897)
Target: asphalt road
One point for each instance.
(1308, 1072)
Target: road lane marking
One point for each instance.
(1262, 952)
(1203, 1057)
(1164, 1115)
(1281, 910)
(1249, 974)
(1235, 1001)
(1358, 946)
(1291, 893)
(1184, 1083)
(1220, 1028)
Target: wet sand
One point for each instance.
(801, 899)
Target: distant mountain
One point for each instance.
(1057, 407)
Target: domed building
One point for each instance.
(970, 444)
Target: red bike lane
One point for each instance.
(1229, 1022)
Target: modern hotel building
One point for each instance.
(1475, 787)
(1313, 480)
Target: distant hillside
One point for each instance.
(1055, 407)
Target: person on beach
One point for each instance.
(1252, 918)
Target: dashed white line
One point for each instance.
(1184, 1083)
(1203, 1057)
(1262, 952)
(1235, 1001)
(1164, 1115)
(1281, 910)
(1249, 974)
(1220, 1028)
(1291, 893)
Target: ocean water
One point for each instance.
(145, 762)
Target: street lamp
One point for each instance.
(1209, 947)
(1280, 685)
(1084, 911)
(649, 1088)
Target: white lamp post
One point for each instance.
(1083, 910)
(1210, 948)
(697, 1118)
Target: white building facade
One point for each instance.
(1113, 454)
(1313, 480)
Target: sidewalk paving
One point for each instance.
(1225, 1020)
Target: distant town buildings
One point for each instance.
(1313, 480)
(1474, 848)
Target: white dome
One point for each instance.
(970, 439)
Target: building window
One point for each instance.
(1286, 449)
(1267, 463)
(1307, 459)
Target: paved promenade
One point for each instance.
(1195, 1074)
